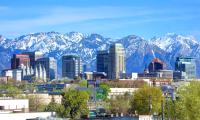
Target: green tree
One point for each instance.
(12, 91)
(103, 91)
(169, 109)
(186, 107)
(83, 83)
(146, 100)
(78, 78)
(74, 103)
(35, 103)
(119, 104)
(52, 106)
(10, 88)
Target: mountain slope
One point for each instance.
(56, 44)
(139, 52)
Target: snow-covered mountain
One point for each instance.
(172, 42)
(139, 52)
(56, 44)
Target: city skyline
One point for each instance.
(108, 59)
(111, 18)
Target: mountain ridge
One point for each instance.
(139, 51)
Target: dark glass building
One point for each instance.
(33, 57)
(49, 65)
(102, 61)
(71, 66)
(156, 65)
(187, 67)
(19, 60)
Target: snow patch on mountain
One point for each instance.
(139, 52)
(171, 41)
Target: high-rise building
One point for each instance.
(187, 66)
(48, 66)
(19, 60)
(116, 61)
(33, 57)
(71, 66)
(102, 61)
(156, 65)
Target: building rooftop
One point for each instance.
(116, 45)
(157, 60)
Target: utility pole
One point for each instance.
(162, 105)
(150, 104)
(174, 102)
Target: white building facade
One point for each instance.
(15, 74)
(9, 105)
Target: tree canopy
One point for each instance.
(83, 83)
(146, 100)
(120, 104)
(11, 88)
(74, 103)
(187, 105)
(102, 91)
(52, 106)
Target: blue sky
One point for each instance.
(110, 18)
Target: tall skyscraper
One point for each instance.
(116, 61)
(33, 57)
(156, 65)
(48, 66)
(187, 66)
(19, 60)
(71, 66)
(102, 61)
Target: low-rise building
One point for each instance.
(120, 91)
(94, 75)
(166, 74)
(45, 98)
(15, 74)
(144, 117)
(51, 87)
(28, 116)
(87, 75)
(134, 76)
(158, 82)
(10, 105)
